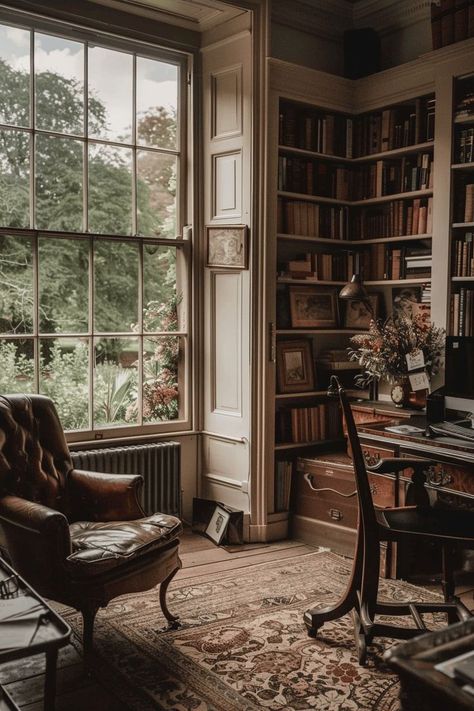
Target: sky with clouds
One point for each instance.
(110, 73)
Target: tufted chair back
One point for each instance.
(34, 456)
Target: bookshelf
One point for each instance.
(461, 321)
(354, 193)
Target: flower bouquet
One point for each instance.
(383, 349)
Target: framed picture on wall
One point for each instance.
(295, 373)
(227, 246)
(311, 307)
(358, 315)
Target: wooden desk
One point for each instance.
(330, 518)
(423, 687)
(52, 634)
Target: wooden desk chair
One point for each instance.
(445, 527)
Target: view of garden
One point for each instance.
(84, 315)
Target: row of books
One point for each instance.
(388, 177)
(339, 266)
(283, 474)
(401, 126)
(312, 130)
(463, 256)
(451, 21)
(313, 177)
(462, 312)
(397, 263)
(296, 217)
(464, 111)
(393, 219)
(464, 148)
(469, 203)
(308, 424)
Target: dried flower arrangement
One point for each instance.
(383, 349)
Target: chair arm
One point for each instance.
(387, 466)
(95, 496)
(38, 542)
(31, 516)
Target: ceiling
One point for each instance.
(198, 15)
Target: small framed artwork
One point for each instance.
(218, 525)
(311, 307)
(295, 372)
(358, 315)
(227, 246)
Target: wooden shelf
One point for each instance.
(313, 154)
(459, 278)
(469, 120)
(292, 396)
(462, 225)
(404, 151)
(350, 243)
(311, 282)
(462, 166)
(396, 282)
(318, 240)
(313, 331)
(412, 194)
(314, 198)
(315, 443)
(381, 240)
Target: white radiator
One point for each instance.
(158, 463)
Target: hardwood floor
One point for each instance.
(77, 691)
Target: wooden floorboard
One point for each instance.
(78, 691)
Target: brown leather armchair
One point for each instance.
(80, 538)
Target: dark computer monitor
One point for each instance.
(459, 376)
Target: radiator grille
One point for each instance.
(158, 463)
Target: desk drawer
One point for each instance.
(448, 477)
(329, 492)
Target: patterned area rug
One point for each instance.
(243, 645)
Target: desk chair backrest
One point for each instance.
(366, 507)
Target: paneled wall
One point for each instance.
(226, 145)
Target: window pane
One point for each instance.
(110, 94)
(58, 183)
(160, 378)
(157, 103)
(110, 190)
(64, 377)
(156, 194)
(14, 179)
(17, 366)
(160, 300)
(63, 285)
(116, 381)
(59, 84)
(116, 286)
(16, 284)
(14, 76)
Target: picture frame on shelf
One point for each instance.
(405, 300)
(227, 246)
(313, 307)
(218, 525)
(295, 371)
(357, 315)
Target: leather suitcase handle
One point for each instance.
(309, 480)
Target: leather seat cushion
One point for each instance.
(452, 523)
(99, 547)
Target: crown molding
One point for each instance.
(323, 18)
(387, 16)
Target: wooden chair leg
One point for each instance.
(447, 583)
(88, 618)
(172, 619)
